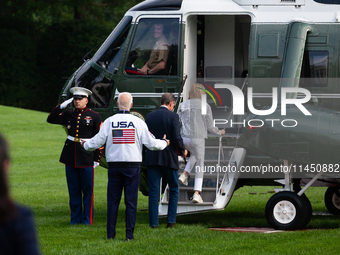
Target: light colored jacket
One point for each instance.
(124, 135)
(194, 124)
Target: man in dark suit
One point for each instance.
(164, 163)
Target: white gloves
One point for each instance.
(95, 164)
(66, 103)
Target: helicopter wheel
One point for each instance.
(332, 200)
(307, 214)
(288, 211)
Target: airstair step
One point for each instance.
(190, 203)
(212, 201)
(192, 188)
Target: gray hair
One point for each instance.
(126, 101)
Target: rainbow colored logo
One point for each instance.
(209, 93)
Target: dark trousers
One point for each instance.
(80, 189)
(155, 173)
(119, 178)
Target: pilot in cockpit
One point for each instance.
(159, 55)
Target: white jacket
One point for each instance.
(194, 124)
(124, 135)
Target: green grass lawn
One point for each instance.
(38, 180)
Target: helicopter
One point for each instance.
(270, 69)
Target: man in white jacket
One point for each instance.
(124, 135)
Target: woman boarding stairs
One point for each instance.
(219, 182)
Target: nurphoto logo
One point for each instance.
(238, 103)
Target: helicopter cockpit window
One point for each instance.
(154, 50)
(314, 70)
(98, 83)
(109, 55)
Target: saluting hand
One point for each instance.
(167, 141)
(66, 103)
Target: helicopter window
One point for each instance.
(314, 70)
(98, 83)
(109, 55)
(154, 49)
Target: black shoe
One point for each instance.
(128, 240)
(170, 225)
(154, 227)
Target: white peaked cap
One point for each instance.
(81, 92)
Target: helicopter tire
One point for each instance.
(288, 211)
(307, 207)
(332, 200)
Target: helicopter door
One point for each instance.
(217, 52)
(151, 66)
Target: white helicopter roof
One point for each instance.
(261, 11)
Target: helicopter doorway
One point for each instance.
(217, 51)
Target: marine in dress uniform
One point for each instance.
(82, 122)
(124, 135)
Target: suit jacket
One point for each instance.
(83, 123)
(160, 122)
(18, 235)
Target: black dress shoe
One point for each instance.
(154, 227)
(170, 225)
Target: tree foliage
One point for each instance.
(43, 42)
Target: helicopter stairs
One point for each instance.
(222, 164)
